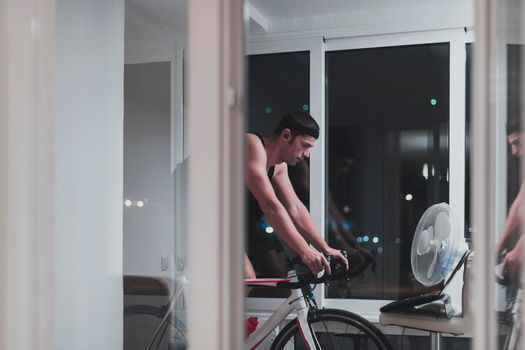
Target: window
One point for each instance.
(278, 84)
(514, 57)
(388, 157)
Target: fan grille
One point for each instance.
(446, 250)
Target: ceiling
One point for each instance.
(149, 21)
(160, 20)
(277, 10)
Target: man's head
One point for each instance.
(296, 134)
(514, 137)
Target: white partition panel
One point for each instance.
(26, 175)
(216, 112)
(88, 144)
(61, 185)
(484, 173)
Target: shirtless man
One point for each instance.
(513, 259)
(268, 182)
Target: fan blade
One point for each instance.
(442, 226)
(423, 244)
(432, 266)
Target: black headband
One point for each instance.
(301, 129)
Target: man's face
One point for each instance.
(298, 148)
(514, 140)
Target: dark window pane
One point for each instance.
(388, 158)
(278, 84)
(514, 56)
(468, 84)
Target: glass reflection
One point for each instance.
(509, 244)
(155, 176)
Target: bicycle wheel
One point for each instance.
(335, 330)
(142, 321)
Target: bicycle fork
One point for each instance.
(309, 338)
(296, 302)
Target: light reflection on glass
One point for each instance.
(424, 172)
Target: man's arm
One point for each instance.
(299, 214)
(513, 219)
(261, 188)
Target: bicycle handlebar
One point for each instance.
(501, 279)
(338, 272)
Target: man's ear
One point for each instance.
(286, 133)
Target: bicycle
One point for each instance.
(313, 328)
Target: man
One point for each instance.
(513, 259)
(270, 187)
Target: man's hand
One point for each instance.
(337, 255)
(511, 263)
(315, 261)
(513, 260)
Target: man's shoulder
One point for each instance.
(253, 141)
(251, 136)
(255, 149)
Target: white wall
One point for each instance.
(89, 152)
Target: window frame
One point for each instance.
(457, 39)
(315, 47)
(318, 47)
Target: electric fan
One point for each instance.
(437, 245)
